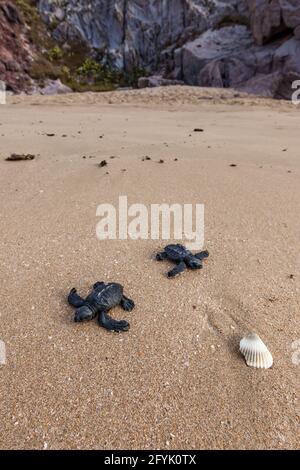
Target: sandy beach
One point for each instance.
(176, 380)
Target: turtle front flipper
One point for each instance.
(113, 325)
(177, 270)
(202, 255)
(74, 299)
(127, 304)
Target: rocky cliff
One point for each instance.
(253, 45)
(14, 48)
(25, 42)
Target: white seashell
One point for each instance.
(256, 352)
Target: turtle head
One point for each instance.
(193, 263)
(84, 313)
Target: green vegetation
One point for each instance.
(37, 32)
(131, 78)
(90, 68)
(54, 24)
(42, 69)
(91, 75)
(28, 10)
(55, 54)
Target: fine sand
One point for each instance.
(176, 380)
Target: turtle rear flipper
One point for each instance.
(177, 270)
(113, 325)
(127, 304)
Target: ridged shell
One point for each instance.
(256, 352)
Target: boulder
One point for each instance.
(157, 80)
(54, 87)
(216, 58)
(229, 57)
(269, 18)
(263, 85)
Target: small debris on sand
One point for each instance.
(161, 161)
(198, 129)
(50, 135)
(291, 276)
(14, 157)
(146, 158)
(103, 163)
(175, 159)
(232, 165)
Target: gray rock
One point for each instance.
(268, 18)
(263, 85)
(59, 14)
(229, 57)
(250, 45)
(13, 66)
(157, 80)
(2, 68)
(134, 33)
(216, 58)
(54, 87)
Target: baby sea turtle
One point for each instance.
(102, 298)
(183, 257)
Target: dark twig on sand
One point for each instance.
(14, 157)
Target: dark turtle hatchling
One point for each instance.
(102, 299)
(184, 258)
